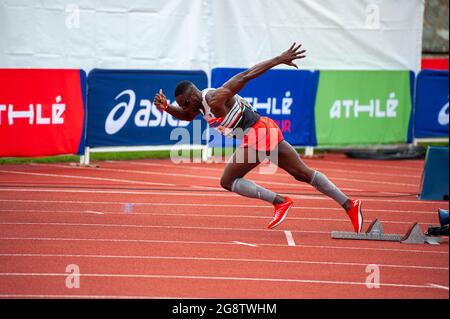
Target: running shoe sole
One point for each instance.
(360, 217)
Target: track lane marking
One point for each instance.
(250, 260)
(182, 242)
(353, 180)
(180, 193)
(344, 220)
(381, 166)
(290, 238)
(153, 226)
(214, 178)
(93, 212)
(201, 205)
(219, 278)
(148, 226)
(439, 286)
(286, 175)
(245, 244)
(85, 177)
(88, 296)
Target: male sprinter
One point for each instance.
(230, 114)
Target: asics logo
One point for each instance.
(443, 115)
(146, 115)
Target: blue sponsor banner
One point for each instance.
(286, 96)
(412, 79)
(431, 110)
(121, 110)
(83, 79)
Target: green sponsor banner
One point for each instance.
(363, 107)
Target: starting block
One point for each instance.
(375, 231)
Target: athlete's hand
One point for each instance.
(292, 54)
(160, 101)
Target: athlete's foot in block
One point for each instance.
(355, 214)
(281, 211)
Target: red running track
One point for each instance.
(153, 229)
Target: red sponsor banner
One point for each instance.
(435, 64)
(42, 112)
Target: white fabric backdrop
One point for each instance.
(201, 34)
(156, 34)
(339, 34)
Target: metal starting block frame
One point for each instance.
(375, 231)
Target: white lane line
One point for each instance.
(149, 172)
(373, 182)
(207, 187)
(149, 226)
(93, 212)
(192, 194)
(153, 226)
(204, 205)
(290, 238)
(171, 193)
(88, 297)
(338, 178)
(201, 168)
(249, 260)
(190, 176)
(217, 278)
(365, 166)
(351, 171)
(294, 188)
(343, 220)
(439, 286)
(245, 244)
(86, 177)
(353, 180)
(182, 242)
(187, 166)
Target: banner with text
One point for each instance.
(121, 110)
(431, 110)
(42, 112)
(286, 96)
(364, 107)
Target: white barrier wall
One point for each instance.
(201, 34)
(152, 34)
(339, 34)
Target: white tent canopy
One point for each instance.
(201, 34)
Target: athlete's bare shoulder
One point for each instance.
(209, 97)
(218, 98)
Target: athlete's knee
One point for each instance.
(226, 183)
(302, 175)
